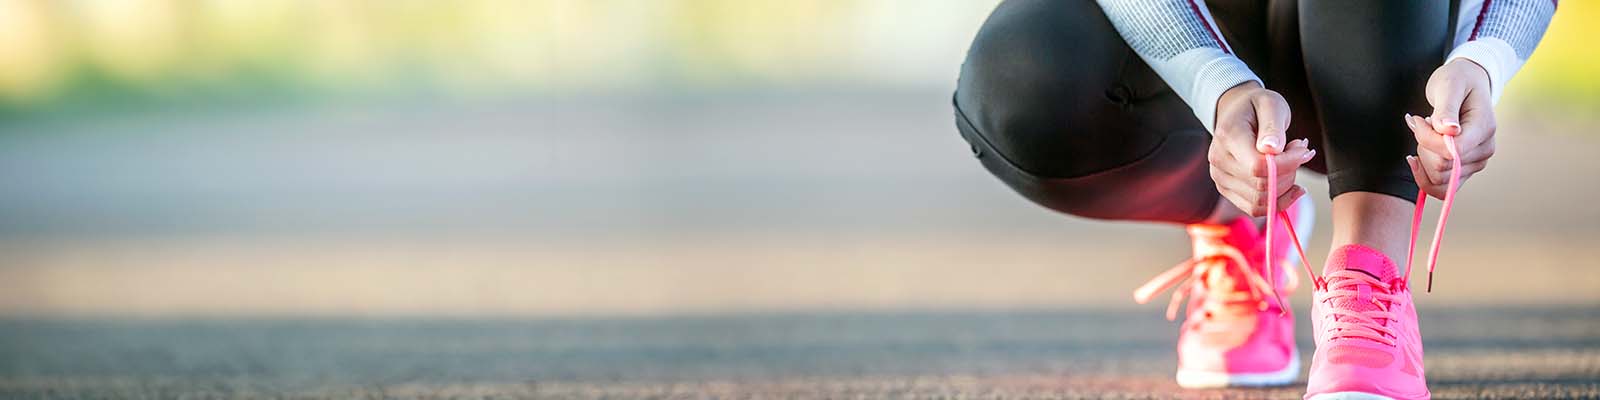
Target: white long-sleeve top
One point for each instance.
(1179, 40)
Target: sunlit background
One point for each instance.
(606, 157)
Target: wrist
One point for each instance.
(1471, 68)
(1237, 90)
(1231, 96)
(1494, 57)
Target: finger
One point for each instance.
(1294, 193)
(1242, 192)
(1245, 206)
(1434, 164)
(1473, 169)
(1417, 174)
(1290, 160)
(1295, 149)
(1239, 156)
(1446, 97)
(1423, 181)
(1272, 121)
(1478, 153)
(1253, 190)
(1246, 187)
(1468, 171)
(1477, 128)
(1285, 184)
(1427, 138)
(1258, 184)
(1467, 142)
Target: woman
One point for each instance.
(1179, 111)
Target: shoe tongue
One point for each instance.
(1365, 260)
(1355, 257)
(1242, 233)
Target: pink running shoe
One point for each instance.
(1364, 323)
(1365, 327)
(1236, 332)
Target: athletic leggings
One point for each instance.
(1055, 103)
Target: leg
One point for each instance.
(1366, 65)
(1056, 105)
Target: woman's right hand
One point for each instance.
(1251, 121)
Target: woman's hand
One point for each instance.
(1463, 110)
(1251, 121)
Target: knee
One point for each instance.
(1032, 57)
(1039, 85)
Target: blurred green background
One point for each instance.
(61, 53)
(96, 52)
(584, 157)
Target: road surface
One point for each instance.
(1544, 352)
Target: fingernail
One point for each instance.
(1456, 127)
(1309, 154)
(1409, 121)
(1272, 142)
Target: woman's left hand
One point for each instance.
(1463, 110)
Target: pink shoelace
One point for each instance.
(1210, 253)
(1350, 322)
(1444, 213)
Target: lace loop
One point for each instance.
(1356, 286)
(1282, 215)
(1210, 253)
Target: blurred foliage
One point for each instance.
(126, 51)
(104, 50)
(1564, 73)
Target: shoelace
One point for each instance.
(1282, 215)
(1210, 253)
(1444, 212)
(1359, 324)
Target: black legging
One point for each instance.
(1057, 105)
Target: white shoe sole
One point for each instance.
(1349, 396)
(1213, 379)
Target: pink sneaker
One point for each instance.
(1236, 333)
(1363, 320)
(1365, 327)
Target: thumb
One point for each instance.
(1272, 120)
(1446, 100)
